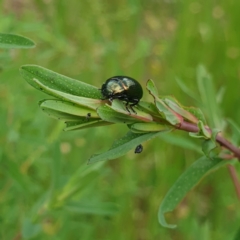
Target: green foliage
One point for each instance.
(185, 183)
(123, 145)
(15, 41)
(41, 165)
(143, 127)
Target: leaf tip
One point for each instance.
(162, 221)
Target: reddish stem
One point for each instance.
(190, 127)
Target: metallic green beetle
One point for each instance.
(123, 88)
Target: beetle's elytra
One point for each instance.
(123, 88)
(139, 148)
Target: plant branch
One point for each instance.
(235, 180)
(190, 127)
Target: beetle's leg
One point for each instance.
(133, 104)
(131, 107)
(126, 105)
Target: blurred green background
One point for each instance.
(47, 190)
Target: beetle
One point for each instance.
(138, 148)
(123, 88)
(88, 116)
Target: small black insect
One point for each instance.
(88, 116)
(123, 88)
(138, 148)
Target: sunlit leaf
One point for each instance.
(56, 81)
(82, 101)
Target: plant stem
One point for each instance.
(233, 174)
(190, 127)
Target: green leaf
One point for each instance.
(237, 235)
(152, 88)
(84, 123)
(119, 106)
(172, 117)
(209, 97)
(168, 114)
(235, 126)
(197, 112)
(53, 80)
(30, 229)
(150, 108)
(82, 101)
(181, 111)
(123, 145)
(96, 208)
(148, 127)
(180, 141)
(185, 88)
(109, 115)
(210, 144)
(66, 111)
(12, 168)
(202, 133)
(15, 41)
(185, 183)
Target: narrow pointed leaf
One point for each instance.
(96, 208)
(172, 117)
(123, 145)
(168, 114)
(150, 108)
(202, 133)
(185, 88)
(84, 123)
(181, 141)
(15, 41)
(148, 127)
(181, 111)
(120, 107)
(62, 108)
(82, 101)
(29, 229)
(197, 112)
(235, 126)
(210, 144)
(108, 114)
(185, 183)
(58, 82)
(235, 131)
(152, 88)
(209, 97)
